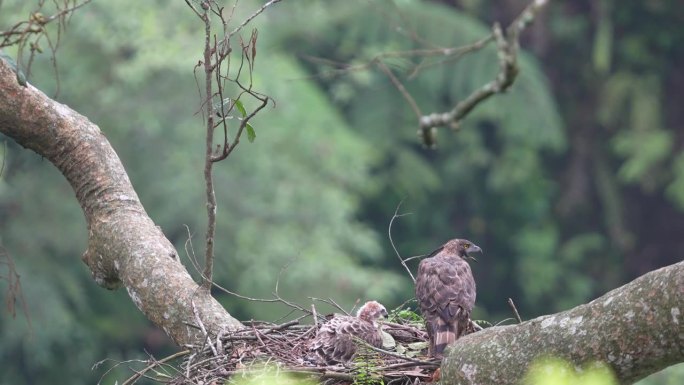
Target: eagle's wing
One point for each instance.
(445, 286)
(445, 290)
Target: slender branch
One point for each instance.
(228, 148)
(515, 310)
(414, 257)
(401, 88)
(454, 54)
(193, 9)
(389, 234)
(330, 302)
(216, 66)
(190, 251)
(153, 365)
(208, 164)
(251, 17)
(450, 54)
(66, 11)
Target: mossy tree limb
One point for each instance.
(637, 329)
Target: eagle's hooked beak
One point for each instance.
(473, 249)
(384, 313)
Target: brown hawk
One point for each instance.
(445, 290)
(334, 341)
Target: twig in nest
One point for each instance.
(207, 339)
(315, 316)
(396, 355)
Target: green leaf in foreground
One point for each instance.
(554, 371)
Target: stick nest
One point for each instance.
(282, 348)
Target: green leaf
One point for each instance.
(242, 110)
(251, 134)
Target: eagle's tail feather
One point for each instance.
(444, 334)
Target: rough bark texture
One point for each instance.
(125, 247)
(637, 329)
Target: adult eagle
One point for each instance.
(445, 290)
(334, 342)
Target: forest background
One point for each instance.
(572, 182)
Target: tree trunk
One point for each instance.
(636, 329)
(125, 248)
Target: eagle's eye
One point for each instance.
(466, 245)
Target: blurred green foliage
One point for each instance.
(268, 375)
(572, 182)
(552, 371)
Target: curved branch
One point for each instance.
(635, 329)
(125, 247)
(507, 51)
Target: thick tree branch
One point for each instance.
(636, 329)
(125, 248)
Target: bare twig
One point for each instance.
(414, 257)
(116, 364)
(251, 17)
(401, 88)
(389, 234)
(190, 251)
(193, 9)
(315, 316)
(155, 364)
(515, 310)
(207, 337)
(330, 302)
(449, 54)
